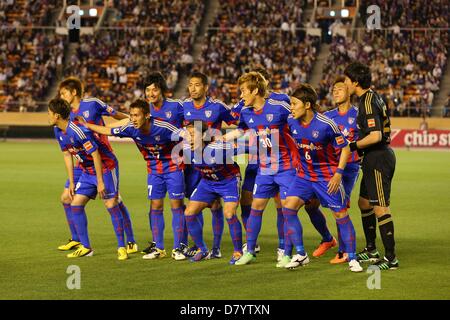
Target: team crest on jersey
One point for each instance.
(71, 140)
(315, 134)
(116, 130)
(351, 120)
(208, 113)
(157, 138)
(86, 114)
(169, 114)
(269, 117)
(110, 110)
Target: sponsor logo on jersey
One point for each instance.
(88, 146)
(339, 140)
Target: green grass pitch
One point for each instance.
(33, 225)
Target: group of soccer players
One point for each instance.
(297, 155)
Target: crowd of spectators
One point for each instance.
(253, 33)
(407, 65)
(30, 58)
(114, 63)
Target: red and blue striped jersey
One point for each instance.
(317, 143)
(215, 161)
(347, 123)
(92, 109)
(81, 143)
(155, 146)
(171, 111)
(268, 130)
(213, 112)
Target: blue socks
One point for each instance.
(127, 222)
(117, 221)
(217, 226)
(254, 223)
(195, 227)
(347, 231)
(280, 228)
(293, 230)
(157, 226)
(236, 233)
(177, 226)
(70, 222)
(80, 221)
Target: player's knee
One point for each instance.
(111, 203)
(340, 214)
(364, 204)
(381, 211)
(157, 205)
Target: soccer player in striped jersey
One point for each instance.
(252, 169)
(265, 120)
(212, 113)
(92, 109)
(220, 178)
(100, 175)
(345, 115)
(155, 140)
(319, 175)
(162, 107)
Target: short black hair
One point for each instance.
(306, 93)
(61, 107)
(201, 76)
(158, 80)
(72, 83)
(358, 72)
(141, 104)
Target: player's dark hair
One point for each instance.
(159, 81)
(141, 104)
(358, 72)
(263, 72)
(339, 79)
(306, 93)
(201, 76)
(61, 107)
(72, 83)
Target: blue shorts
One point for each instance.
(208, 190)
(87, 184)
(307, 190)
(267, 186)
(250, 175)
(192, 178)
(159, 184)
(350, 177)
(77, 172)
